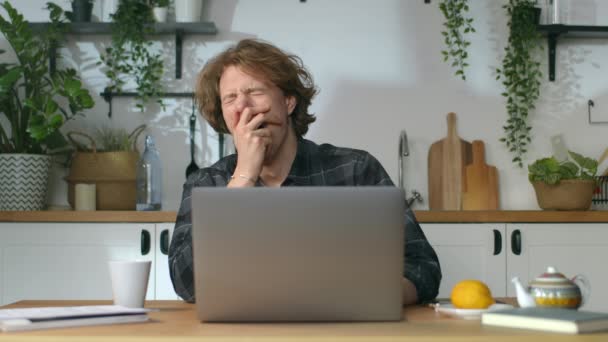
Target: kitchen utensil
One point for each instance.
(482, 182)
(560, 151)
(553, 289)
(192, 167)
(446, 161)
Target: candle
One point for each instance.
(84, 197)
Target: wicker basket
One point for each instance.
(571, 194)
(113, 173)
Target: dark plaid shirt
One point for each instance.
(314, 165)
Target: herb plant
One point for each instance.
(521, 76)
(34, 104)
(457, 25)
(551, 171)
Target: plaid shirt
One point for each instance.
(314, 165)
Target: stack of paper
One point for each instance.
(68, 316)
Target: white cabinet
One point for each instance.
(70, 260)
(164, 286)
(572, 248)
(469, 251)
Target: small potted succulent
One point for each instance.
(564, 185)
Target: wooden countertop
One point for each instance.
(176, 321)
(424, 216)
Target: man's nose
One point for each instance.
(242, 102)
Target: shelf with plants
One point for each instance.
(178, 29)
(555, 31)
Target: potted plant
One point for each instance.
(81, 11)
(160, 9)
(131, 53)
(33, 106)
(566, 185)
(520, 75)
(457, 25)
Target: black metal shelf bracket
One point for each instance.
(179, 40)
(555, 31)
(552, 42)
(108, 96)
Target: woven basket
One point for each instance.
(570, 194)
(113, 173)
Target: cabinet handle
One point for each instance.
(497, 242)
(145, 242)
(164, 241)
(516, 242)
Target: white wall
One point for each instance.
(379, 68)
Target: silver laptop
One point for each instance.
(298, 253)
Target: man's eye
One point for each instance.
(229, 99)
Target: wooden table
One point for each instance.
(176, 321)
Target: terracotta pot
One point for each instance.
(571, 194)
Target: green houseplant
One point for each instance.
(131, 53)
(34, 105)
(565, 185)
(457, 26)
(520, 75)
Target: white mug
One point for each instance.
(130, 282)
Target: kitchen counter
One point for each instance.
(424, 216)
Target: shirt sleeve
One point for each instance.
(181, 266)
(421, 265)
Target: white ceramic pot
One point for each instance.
(188, 10)
(23, 181)
(160, 14)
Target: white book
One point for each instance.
(548, 319)
(68, 316)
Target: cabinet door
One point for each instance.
(469, 251)
(579, 248)
(68, 260)
(164, 286)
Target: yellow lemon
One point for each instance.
(471, 294)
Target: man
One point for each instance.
(260, 95)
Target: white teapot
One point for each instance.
(553, 289)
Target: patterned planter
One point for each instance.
(23, 181)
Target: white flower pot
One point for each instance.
(160, 14)
(188, 10)
(23, 181)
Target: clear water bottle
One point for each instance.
(149, 178)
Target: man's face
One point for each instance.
(240, 90)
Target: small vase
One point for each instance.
(160, 14)
(188, 10)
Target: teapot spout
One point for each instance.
(524, 298)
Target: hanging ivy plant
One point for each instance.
(521, 76)
(131, 53)
(457, 25)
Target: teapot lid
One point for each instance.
(552, 276)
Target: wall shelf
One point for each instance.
(178, 29)
(553, 32)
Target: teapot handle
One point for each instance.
(584, 285)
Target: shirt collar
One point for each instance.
(303, 164)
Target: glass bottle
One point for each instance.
(149, 178)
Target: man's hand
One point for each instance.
(251, 138)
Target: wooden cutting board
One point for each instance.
(446, 161)
(481, 192)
